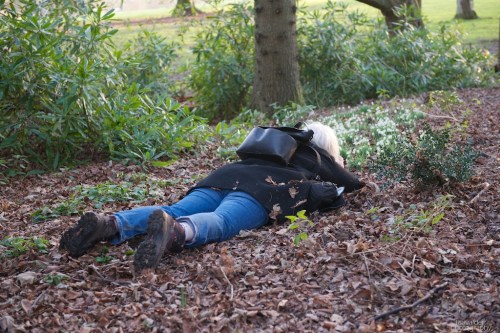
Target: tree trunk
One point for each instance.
(465, 10)
(185, 8)
(276, 73)
(389, 8)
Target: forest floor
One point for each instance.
(355, 265)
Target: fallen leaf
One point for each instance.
(26, 278)
(6, 323)
(336, 319)
(293, 192)
(282, 231)
(273, 215)
(26, 305)
(270, 180)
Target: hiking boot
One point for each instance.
(164, 234)
(91, 228)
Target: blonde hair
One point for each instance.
(325, 137)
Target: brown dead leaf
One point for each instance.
(270, 180)
(26, 305)
(273, 215)
(6, 323)
(301, 202)
(282, 231)
(293, 192)
(26, 278)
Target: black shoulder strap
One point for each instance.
(318, 156)
(318, 163)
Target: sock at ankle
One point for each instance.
(188, 231)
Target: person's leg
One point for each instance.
(134, 222)
(237, 211)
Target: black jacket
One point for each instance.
(285, 190)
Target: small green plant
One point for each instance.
(291, 114)
(418, 220)
(129, 252)
(55, 279)
(432, 159)
(227, 137)
(300, 226)
(99, 195)
(16, 246)
(103, 257)
(445, 100)
(183, 296)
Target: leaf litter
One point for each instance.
(340, 280)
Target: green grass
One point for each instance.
(484, 28)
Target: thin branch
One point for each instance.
(230, 284)
(35, 302)
(486, 186)
(440, 116)
(411, 306)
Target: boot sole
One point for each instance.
(75, 240)
(150, 251)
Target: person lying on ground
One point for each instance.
(243, 195)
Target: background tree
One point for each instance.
(276, 74)
(465, 10)
(185, 8)
(389, 8)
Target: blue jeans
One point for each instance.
(214, 216)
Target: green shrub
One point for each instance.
(53, 70)
(432, 159)
(137, 128)
(417, 60)
(146, 62)
(222, 73)
(345, 58)
(65, 89)
(330, 64)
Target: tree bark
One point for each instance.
(465, 10)
(276, 73)
(388, 8)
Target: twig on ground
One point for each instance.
(367, 269)
(486, 186)
(35, 302)
(368, 251)
(230, 284)
(411, 306)
(440, 116)
(412, 266)
(102, 277)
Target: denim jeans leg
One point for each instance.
(134, 222)
(237, 211)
